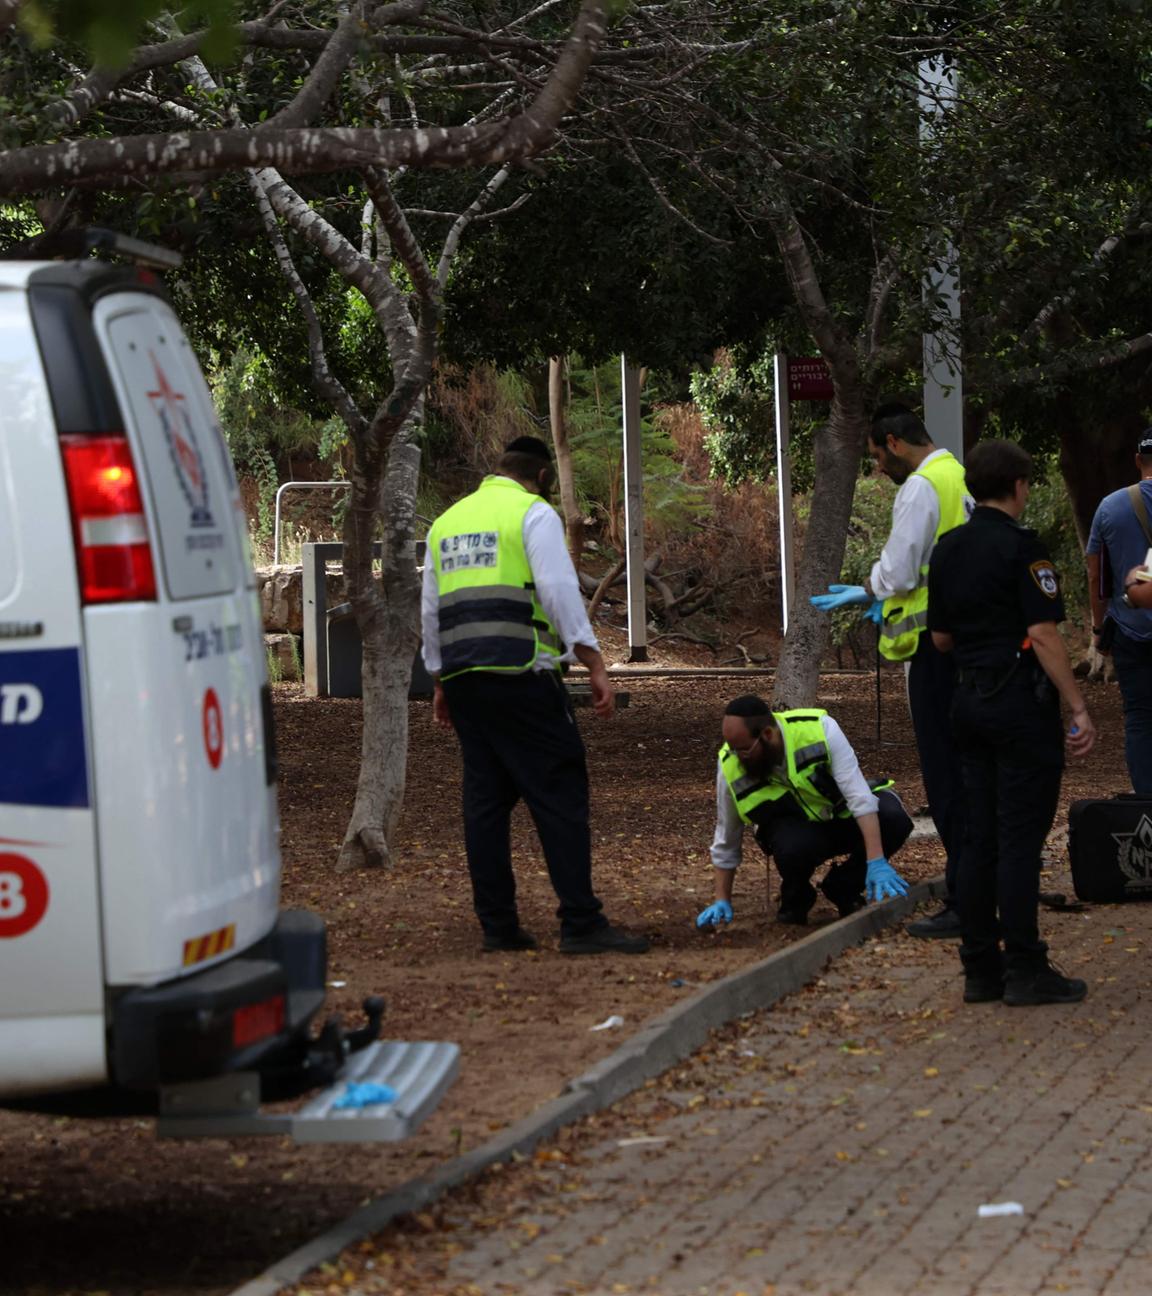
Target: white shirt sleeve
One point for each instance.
(846, 770)
(915, 517)
(430, 617)
(557, 585)
(727, 844)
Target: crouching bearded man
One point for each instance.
(793, 777)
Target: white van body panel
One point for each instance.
(51, 977)
(188, 828)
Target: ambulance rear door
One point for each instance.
(185, 775)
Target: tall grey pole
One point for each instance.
(634, 514)
(784, 486)
(943, 373)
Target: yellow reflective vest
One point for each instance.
(806, 774)
(488, 615)
(906, 615)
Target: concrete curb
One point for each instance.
(664, 1041)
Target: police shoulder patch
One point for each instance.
(1044, 574)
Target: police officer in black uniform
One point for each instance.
(994, 600)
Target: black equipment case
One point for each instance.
(1110, 849)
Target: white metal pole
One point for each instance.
(784, 485)
(943, 374)
(634, 514)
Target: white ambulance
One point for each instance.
(141, 942)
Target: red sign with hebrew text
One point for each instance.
(809, 379)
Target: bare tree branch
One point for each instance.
(324, 380)
(321, 82)
(472, 213)
(303, 151)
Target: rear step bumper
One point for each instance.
(248, 1014)
(418, 1073)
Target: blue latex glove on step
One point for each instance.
(883, 882)
(719, 911)
(365, 1093)
(839, 596)
(875, 613)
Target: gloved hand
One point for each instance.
(840, 596)
(719, 911)
(883, 882)
(875, 613)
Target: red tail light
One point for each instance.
(108, 521)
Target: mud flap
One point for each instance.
(417, 1073)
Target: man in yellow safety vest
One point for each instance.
(931, 501)
(793, 777)
(501, 609)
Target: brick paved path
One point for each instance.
(842, 1142)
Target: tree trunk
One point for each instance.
(1096, 457)
(837, 450)
(388, 616)
(557, 414)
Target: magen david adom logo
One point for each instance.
(1134, 855)
(183, 446)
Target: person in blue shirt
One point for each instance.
(1118, 542)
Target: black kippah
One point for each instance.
(529, 445)
(747, 704)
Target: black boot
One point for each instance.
(1042, 984)
(983, 976)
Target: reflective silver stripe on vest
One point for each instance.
(749, 783)
(809, 755)
(914, 621)
(487, 630)
(513, 593)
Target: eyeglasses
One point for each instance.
(742, 752)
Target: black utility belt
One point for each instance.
(1023, 673)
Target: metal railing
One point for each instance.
(295, 485)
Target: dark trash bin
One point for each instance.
(345, 652)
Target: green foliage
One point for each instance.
(1049, 514)
(595, 417)
(259, 426)
(736, 399)
(109, 29)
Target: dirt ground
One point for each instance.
(101, 1206)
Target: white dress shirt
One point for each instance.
(727, 844)
(557, 591)
(915, 517)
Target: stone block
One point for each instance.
(285, 655)
(281, 591)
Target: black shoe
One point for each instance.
(793, 917)
(1046, 985)
(983, 989)
(844, 902)
(604, 940)
(509, 942)
(942, 926)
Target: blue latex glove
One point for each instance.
(840, 596)
(875, 613)
(365, 1093)
(719, 911)
(883, 882)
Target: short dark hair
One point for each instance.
(895, 419)
(525, 458)
(994, 468)
(754, 711)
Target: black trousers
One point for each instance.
(931, 685)
(519, 739)
(1011, 744)
(799, 846)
